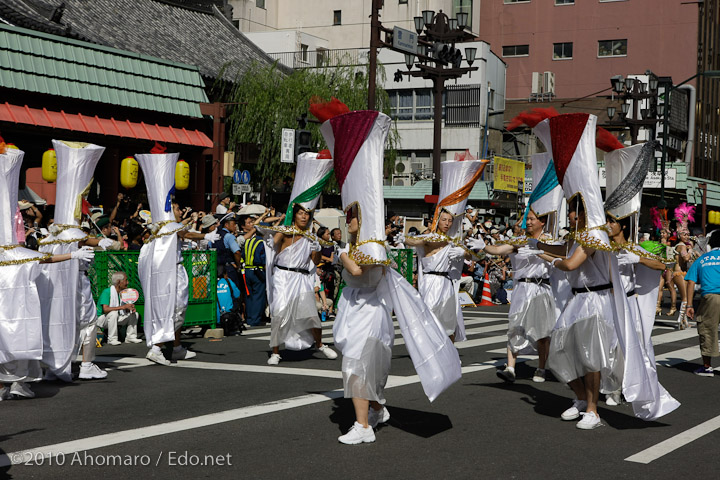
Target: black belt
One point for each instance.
(439, 274)
(297, 270)
(595, 288)
(631, 293)
(536, 280)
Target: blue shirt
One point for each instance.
(231, 242)
(705, 271)
(226, 291)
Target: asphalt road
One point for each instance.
(227, 414)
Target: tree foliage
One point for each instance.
(269, 100)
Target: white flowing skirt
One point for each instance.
(531, 316)
(293, 311)
(439, 294)
(364, 334)
(584, 341)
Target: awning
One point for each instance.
(102, 126)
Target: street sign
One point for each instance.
(240, 188)
(245, 177)
(652, 180)
(287, 146)
(236, 176)
(405, 40)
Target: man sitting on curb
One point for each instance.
(111, 313)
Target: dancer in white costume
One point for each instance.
(68, 309)
(533, 311)
(21, 340)
(363, 328)
(640, 271)
(441, 253)
(292, 252)
(162, 275)
(593, 332)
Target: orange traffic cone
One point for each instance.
(486, 294)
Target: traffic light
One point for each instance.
(303, 142)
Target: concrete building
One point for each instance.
(585, 42)
(326, 33)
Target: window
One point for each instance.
(516, 51)
(612, 48)
(260, 3)
(564, 2)
(409, 105)
(562, 50)
(463, 105)
(403, 2)
(516, 1)
(337, 17)
(236, 23)
(464, 6)
(304, 52)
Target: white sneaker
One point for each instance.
(133, 340)
(5, 394)
(376, 417)
(574, 412)
(328, 352)
(274, 359)
(20, 389)
(589, 421)
(91, 372)
(114, 343)
(539, 375)
(158, 358)
(183, 354)
(612, 399)
(357, 434)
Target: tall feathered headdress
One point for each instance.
(684, 214)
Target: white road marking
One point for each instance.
(100, 441)
(673, 443)
(673, 336)
(678, 356)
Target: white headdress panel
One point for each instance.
(10, 163)
(360, 174)
(618, 165)
(551, 202)
(310, 170)
(76, 164)
(159, 172)
(455, 174)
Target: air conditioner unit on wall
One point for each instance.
(549, 83)
(401, 181)
(536, 87)
(403, 167)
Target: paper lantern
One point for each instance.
(182, 175)
(129, 172)
(49, 166)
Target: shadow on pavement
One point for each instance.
(415, 422)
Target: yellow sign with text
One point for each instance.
(508, 173)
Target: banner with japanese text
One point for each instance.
(508, 173)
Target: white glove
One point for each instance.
(212, 237)
(315, 246)
(532, 243)
(476, 244)
(105, 243)
(345, 250)
(399, 238)
(84, 254)
(628, 258)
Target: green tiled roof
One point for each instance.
(49, 64)
(424, 187)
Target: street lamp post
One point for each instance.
(436, 58)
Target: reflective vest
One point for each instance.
(250, 248)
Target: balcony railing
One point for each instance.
(322, 58)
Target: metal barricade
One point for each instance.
(201, 267)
